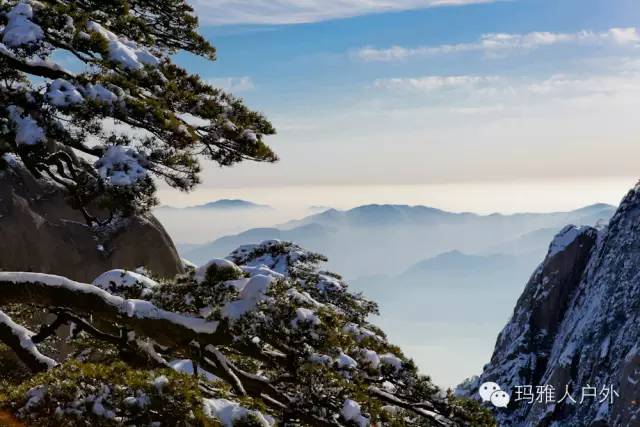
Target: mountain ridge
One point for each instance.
(575, 326)
(221, 204)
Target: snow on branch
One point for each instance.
(165, 327)
(19, 339)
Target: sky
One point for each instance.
(368, 94)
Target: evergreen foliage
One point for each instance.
(92, 100)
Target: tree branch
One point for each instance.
(164, 327)
(416, 409)
(19, 339)
(36, 70)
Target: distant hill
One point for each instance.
(376, 239)
(453, 301)
(456, 262)
(312, 235)
(575, 322)
(223, 204)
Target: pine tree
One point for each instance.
(92, 100)
(262, 337)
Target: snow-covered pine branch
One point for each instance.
(120, 101)
(266, 321)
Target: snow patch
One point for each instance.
(115, 281)
(306, 317)
(345, 362)
(120, 166)
(565, 237)
(228, 412)
(125, 52)
(351, 411)
(20, 29)
(62, 93)
(201, 272)
(27, 130)
(253, 292)
(185, 366)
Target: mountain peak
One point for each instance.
(223, 204)
(231, 204)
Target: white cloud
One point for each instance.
(494, 87)
(219, 12)
(503, 43)
(435, 83)
(233, 84)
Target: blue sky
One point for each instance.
(493, 91)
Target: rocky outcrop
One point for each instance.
(576, 327)
(40, 232)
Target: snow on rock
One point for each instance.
(62, 93)
(304, 316)
(121, 166)
(565, 237)
(201, 272)
(228, 412)
(188, 264)
(125, 52)
(117, 281)
(20, 29)
(351, 411)
(27, 130)
(576, 325)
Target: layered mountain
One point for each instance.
(576, 327)
(222, 204)
(196, 224)
(387, 239)
(456, 301)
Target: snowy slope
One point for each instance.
(577, 326)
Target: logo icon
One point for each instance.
(491, 392)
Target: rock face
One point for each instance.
(576, 326)
(40, 232)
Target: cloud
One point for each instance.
(496, 44)
(233, 84)
(220, 12)
(435, 83)
(478, 94)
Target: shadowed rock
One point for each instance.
(40, 232)
(576, 325)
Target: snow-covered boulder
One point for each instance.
(128, 284)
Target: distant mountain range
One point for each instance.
(575, 324)
(454, 277)
(222, 204)
(375, 239)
